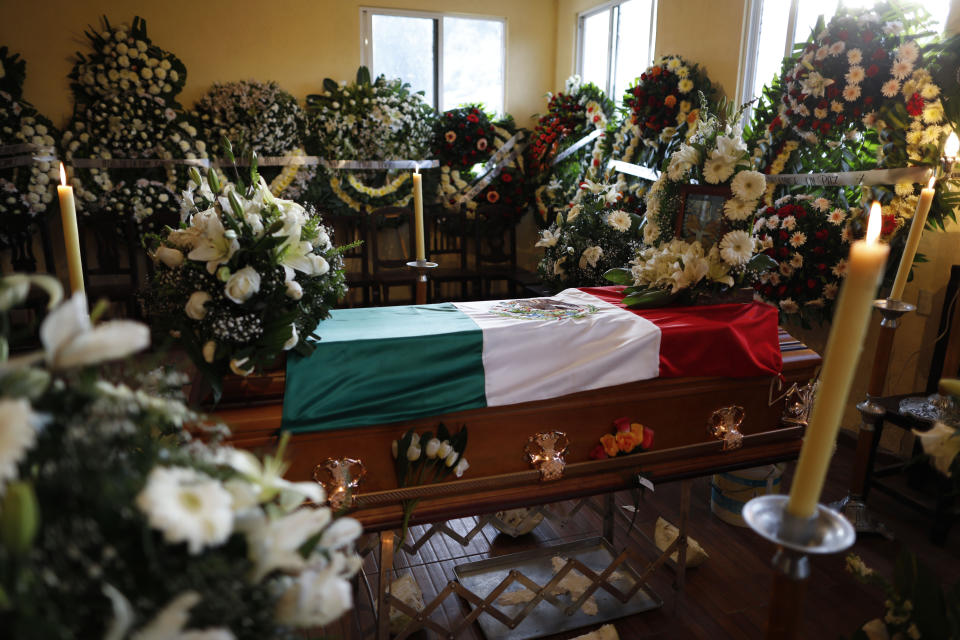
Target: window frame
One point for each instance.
(613, 6)
(366, 42)
(750, 46)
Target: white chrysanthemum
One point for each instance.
(854, 56)
(890, 88)
(619, 220)
(837, 48)
(773, 222)
(851, 92)
(736, 247)
(798, 239)
(786, 269)
(901, 69)
(789, 223)
(787, 305)
(830, 291)
(685, 85)
(821, 204)
(837, 216)
(929, 91)
(840, 269)
(187, 506)
(933, 112)
(855, 75)
(737, 209)
(17, 435)
(748, 185)
(796, 260)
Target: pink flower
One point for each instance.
(855, 75)
(851, 92)
(854, 56)
(901, 69)
(890, 88)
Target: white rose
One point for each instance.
(242, 285)
(319, 264)
(294, 290)
(171, 257)
(294, 339)
(208, 350)
(195, 308)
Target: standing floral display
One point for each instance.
(366, 120)
(245, 277)
(809, 238)
(591, 237)
(27, 188)
(261, 117)
(581, 109)
(859, 95)
(422, 459)
(465, 138)
(667, 266)
(116, 523)
(129, 126)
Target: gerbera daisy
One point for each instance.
(901, 69)
(748, 185)
(685, 85)
(789, 223)
(854, 56)
(798, 239)
(890, 88)
(908, 51)
(820, 204)
(855, 75)
(736, 247)
(837, 216)
(851, 92)
(619, 220)
(737, 209)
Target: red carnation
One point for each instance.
(506, 177)
(811, 283)
(889, 224)
(873, 70)
(915, 105)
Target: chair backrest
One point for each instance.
(348, 228)
(111, 255)
(946, 354)
(497, 250)
(446, 235)
(380, 221)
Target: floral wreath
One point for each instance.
(26, 191)
(571, 115)
(367, 119)
(809, 237)
(668, 266)
(125, 59)
(262, 117)
(862, 86)
(137, 126)
(592, 236)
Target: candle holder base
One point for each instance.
(891, 310)
(423, 267)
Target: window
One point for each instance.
(615, 43)
(452, 59)
(776, 25)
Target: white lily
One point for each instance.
(214, 246)
(275, 543)
(942, 444)
(70, 340)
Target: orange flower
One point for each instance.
(610, 445)
(655, 71)
(627, 441)
(637, 428)
(670, 100)
(692, 116)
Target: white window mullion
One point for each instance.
(438, 65)
(612, 47)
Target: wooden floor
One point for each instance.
(726, 597)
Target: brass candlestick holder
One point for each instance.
(826, 532)
(422, 267)
(854, 506)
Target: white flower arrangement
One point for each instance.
(120, 484)
(245, 277)
(666, 266)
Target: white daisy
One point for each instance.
(619, 220)
(908, 51)
(685, 85)
(736, 247)
(787, 305)
(798, 239)
(773, 222)
(819, 113)
(748, 185)
(796, 261)
(821, 204)
(851, 92)
(837, 216)
(854, 56)
(836, 107)
(17, 435)
(840, 269)
(789, 223)
(837, 47)
(187, 506)
(890, 88)
(855, 75)
(786, 269)
(830, 291)
(901, 69)
(737, 209)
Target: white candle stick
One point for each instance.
(71, 235)
(913, 240)
(418, 214)
(864, 270)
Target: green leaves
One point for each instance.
(19, 517)
(363, 76)
(647, 298)
(619, 276)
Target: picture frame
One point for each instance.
(700, 216)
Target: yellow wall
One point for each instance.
(702, 31)
(295, 42)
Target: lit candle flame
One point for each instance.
(874, 224)
(933, 181)
(951, 146)
(416, 167)
(63, 175)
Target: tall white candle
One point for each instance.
(418, 214)
(71, 236)
(913, 240)
(851, 319)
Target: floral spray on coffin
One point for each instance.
(699, 245)
(246, 278)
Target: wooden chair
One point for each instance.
(496, 256)
(390, 263)
(920, 485)
(110, 254)
(356, 261)
(448, 245)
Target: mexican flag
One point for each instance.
(390, 364)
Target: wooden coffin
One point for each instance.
(500, 477)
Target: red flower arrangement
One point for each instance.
(463, 137)
(628, 437)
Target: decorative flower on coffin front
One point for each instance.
(545, 451)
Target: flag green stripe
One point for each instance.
(385, 364)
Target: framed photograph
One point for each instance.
(700, 217)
